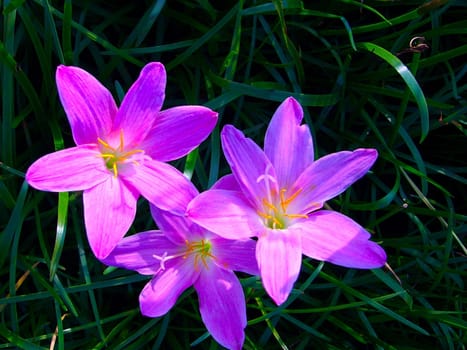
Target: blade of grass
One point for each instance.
(86, 273)
(60, 234)
(409, 79)
(7, 151)
(14, 225)
(203, 39)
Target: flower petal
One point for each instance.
(279, 256)
(236, 255)
(162, 292)
(288, 144)
(177, 131)
(226, 182)
(329, 176)
(254, 172)
(139, 252)
(225, 213)
(71, 169)
(141, 105)
(177, 227)
(89, 106)
(333, 237)
(173, 222)
(222, 306)
(162, 185)
(109, 210)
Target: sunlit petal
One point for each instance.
(162, 292)
(222, 306)
(254, 172)
(162, 185)
(71, 169)
(177, 131)
(333, 237)
(141, 105)
(279, 256)
(329, 176)
(143, 252)
(225, 213)
(287, 143)
(175, 225)
(89, 106)
(236, 255)
(109, 211)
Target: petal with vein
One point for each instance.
(222, 306)
(89, 106)
(109, 210)
(288, 144)
(279, 256)
(329, 176)
(177, 227)
(177, 131)
(333, 237)
(227, 182)
(143, 252)
(225, 213)
(71, 169)
(236, 255)
(141, 105)
(162, 292)
(162, 185)
(254, 172)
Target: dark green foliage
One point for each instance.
(384, 74)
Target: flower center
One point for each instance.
(274, 212)
(275, 215)
(201, 250)
(116, 156)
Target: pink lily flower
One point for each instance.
(182, 254)
(276, 195)
(120, 152)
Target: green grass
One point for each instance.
(348, 63)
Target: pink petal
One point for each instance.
(144, 252)
(177, 131)
(177, 227)
(279, 256)
(89, 106)
(225, 213)
(162, 292)
(162, 185)
(71, 169)
(141, 105)
(109, 210)
(227, 182)
(329, 176)
(333, 237)
(222, 306)
(287, 143)
(236, 255)
(252, 169)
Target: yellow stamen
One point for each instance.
(121, 141)
(276, 218)
(297, 216)
(285, 202)
(201, 249)
(114, 156)
(270, 206)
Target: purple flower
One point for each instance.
(120, 152)
(182, 254)
(276, 195)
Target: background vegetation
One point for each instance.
(384, 74)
